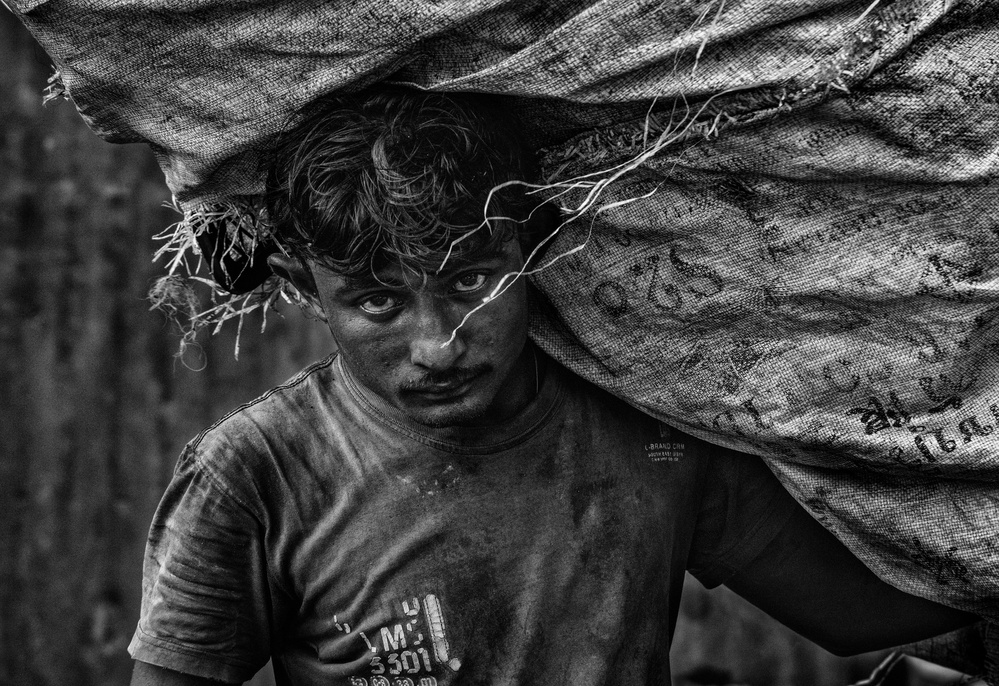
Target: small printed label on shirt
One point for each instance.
(665, 450)
(406, 653)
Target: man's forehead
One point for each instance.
(438, 267)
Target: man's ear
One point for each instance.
(295, 273)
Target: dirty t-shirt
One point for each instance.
(322, 527)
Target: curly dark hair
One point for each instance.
(396, 177)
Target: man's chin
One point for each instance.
(444, 415)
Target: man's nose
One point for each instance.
(432, 346)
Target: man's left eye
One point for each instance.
(469, 282)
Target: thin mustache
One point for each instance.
(451, 377)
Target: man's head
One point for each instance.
(381, 199)
(395, 177)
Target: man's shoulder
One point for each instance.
(586, 396)
(670, 438)
(277, 410)
(279, 422)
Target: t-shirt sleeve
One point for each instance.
(205, 608)
(743, 507)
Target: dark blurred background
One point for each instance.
(95, 407)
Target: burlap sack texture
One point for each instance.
(819, 288)
(812, 277)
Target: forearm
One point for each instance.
(809, 581)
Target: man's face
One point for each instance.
(393, 335)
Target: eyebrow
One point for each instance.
(455, 264)
(458, 262)
(369, 283)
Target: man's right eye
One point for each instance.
(379, 304)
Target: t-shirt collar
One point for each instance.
(465, 439)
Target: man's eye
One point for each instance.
(379, 304)
(469, 282)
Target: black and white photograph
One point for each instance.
(499, 342)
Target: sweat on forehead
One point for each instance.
(395, 177)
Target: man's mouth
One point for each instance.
(451, 383)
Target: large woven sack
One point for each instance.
(207, 83)
(796, 254)
(820, 288)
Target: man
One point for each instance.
(438, 502)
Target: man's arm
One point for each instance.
(145, 674)
(808, 580)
